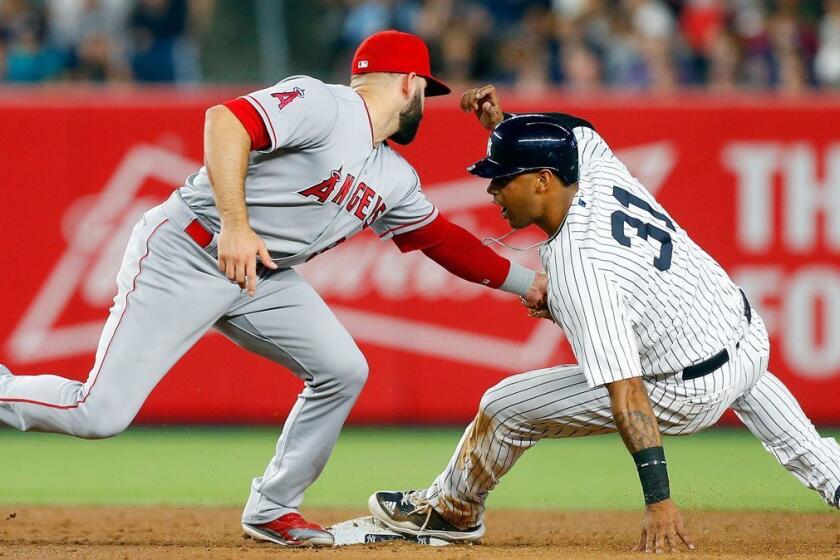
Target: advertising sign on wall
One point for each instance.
(756, 182)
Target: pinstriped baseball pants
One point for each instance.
(557, 402)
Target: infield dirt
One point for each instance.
(175, 532)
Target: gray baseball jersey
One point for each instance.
(636, 297)
(322, 179)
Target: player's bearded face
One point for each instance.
(409, 120)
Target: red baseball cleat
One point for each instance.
(290, 530)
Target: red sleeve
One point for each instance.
(252, 121)
(458, 251)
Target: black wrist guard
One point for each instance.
(653, 474)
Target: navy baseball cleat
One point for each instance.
(837, 498)
(409, 513)
(290, 530)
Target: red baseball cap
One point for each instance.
(395, 51)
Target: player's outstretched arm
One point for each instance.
(462, 254)
(226, 149)
(637, 424)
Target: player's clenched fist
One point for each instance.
(239, 247)
(484, 102)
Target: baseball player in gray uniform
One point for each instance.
(665, 342)
(290, 171)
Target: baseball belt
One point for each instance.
(715, 362)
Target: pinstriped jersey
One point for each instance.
(633, 293)
(322, 179)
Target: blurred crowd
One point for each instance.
(656, 45)
(719, 45)
(101, 40)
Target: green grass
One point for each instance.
(716, 470)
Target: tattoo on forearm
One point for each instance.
(638, 429)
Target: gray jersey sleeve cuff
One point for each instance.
(518, 280)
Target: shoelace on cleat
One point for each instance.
(421, 506)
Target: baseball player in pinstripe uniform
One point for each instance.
(665, 342)
(291, 171)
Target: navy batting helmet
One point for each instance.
(527, 143)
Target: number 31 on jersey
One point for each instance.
(644, 230)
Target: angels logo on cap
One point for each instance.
(398, 52)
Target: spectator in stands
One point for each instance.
(654, 33)
(581, 67)
(91, 34)
(528, 45)
(827, 61)
(722, 62)
(27, 56)
(457, 45)
(793, 40)
(155, 25)
(162, 49)
(624, 64)
(70, 21)
(702, 24)
(521, 63)
(750, 26)
(97, 58)
(364, 18)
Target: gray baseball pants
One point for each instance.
(170, 293)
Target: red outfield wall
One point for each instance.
(756, 181)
